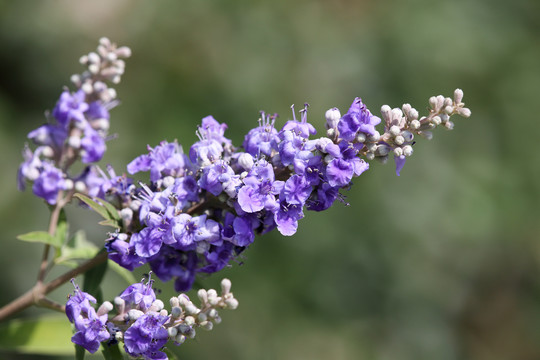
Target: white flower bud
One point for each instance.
(361, 137)
(465, 112)
(74, 141)
(331, 133)
(157, 305)
(399, 140)
(231, 303)
(87, 88)
(370, 156)
(332, 118)
(191, 333)
(407, 150)
(104, 41)
(192, 309)
(119, 336)
(134, 314)
(375, 137)
(217, 320)
(123, 52)
(83, 60)
(225, 286)
(126, 214)
(167, 181)
(93, 68)
(449, 109)
(433, 102)
(382, 150)
(207, 325)
(189, 320)
(68, 184)
(440, 101)
(176, 311)
(458, 96)
(449, 125)
(47, 151)
(426, 134)
(245, 160)
(164, 312)
(111, 56)
(80, 186)
(202, 317)
(105, 308)
(94, 58)
(172, 332)
(118, 301)
(75, 79)
(386, 113)
(436, 120)
(415, 124)
(445, 118)
(406, 108)
(398, 151)
(213, 313)
(180, 339)
(371, 147)
(111, 93)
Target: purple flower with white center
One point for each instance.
(91, 330)
(78, 302)
(139, 295)
(146, 336)
(400, 162)
(296, 190)
(49, 183)
(287, 218)
(93, 146)
(70, 107)
(263, 139)
(238, 230)
(213, 177)
(186, 230)
(260, 189)
(212, 129)
(358, 119)
(122, 252)
(166, 159)
(51, 135)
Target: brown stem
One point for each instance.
(36, 295)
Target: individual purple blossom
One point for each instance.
(238, 230)
(49, 183)
(211, 129)
(263, 139)
(166, 159)
(218, 257)
(213, 176)
(148, 241)
(93, 146)
(287, 217)
(91, 330)
(96, 111)
(147, 336)
(29, 168)
(358, 119)
(339, 172)
(260, 189)
(79, 302)
(186, 230)
(50, 135)
(70, 107)
(301, 128)
(323, 198)
(170, 263)
(122, 252)
(139, 295)
(296, 190)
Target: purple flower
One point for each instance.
(146, 336)
(296, 190)
(70, 107)
(263, 139)
(51, 135)
(358, 119)
(400, 162)
(170, 262)
(166, 159)
(259, 190)
(238, 230)
(78, 302)
(186, 230)
(123, 253)
(49, 183)
(212, 129)
(93, 146)
(91, 331)
(287, 218)
(148, 241)
(339, 172)
(139, 295)
(30, 167)
(323, 198)
(218, 257)
(214, 175)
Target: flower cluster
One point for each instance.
(75, 130)
(141, 321)
(202, 209)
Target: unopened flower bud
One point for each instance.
(370, 156)
(213, 313)
(407, 135)
(191, 309)
(436, 120)
(399, 140)
(105, 308)
(361, 137)
(68, 184)
(225, 286)
(201, 317)
(407, 150)
(332, 118)
(245, 160)
(231, 303)
(207, 325)
(180, 339)
(375, 137)
(80, 186)
(449, 109)
(189, 320)
(382, 150)
(386, 112)
(458, 96)
(176, 312)
(415, 124)
(134, 314)
(449, 125)
(172, 332)
(74, 142)
(123, 52)
(465, 112)
(398, 151)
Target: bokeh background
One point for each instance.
(439, 263)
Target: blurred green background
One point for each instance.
(439, 263)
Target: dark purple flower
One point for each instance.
(49, 183)
(146, 336)
(238, 230)
(358, 119)
(170, 262)
(123, 253)
(70, 107)
(218, 257)
(323, 198)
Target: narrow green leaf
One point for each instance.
(111, 209)
(62, 230)
(93, 279)
(110, 222)
(47, 335)
(79, 352)
(78, 247)
(100, 209)
(111, 352)
(123, 272)
(39, 237)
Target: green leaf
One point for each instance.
(93, 279)
(78, 247)
(62, 231)
(123, 272)
(112, 210)
(100, 209)
(170, 354)
(47, 335)
(111, 352)
(110, 222)
(40, 237)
